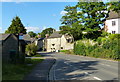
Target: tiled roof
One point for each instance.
(114, 15)
(56, 34)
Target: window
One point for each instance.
(61, 47)
(53, 44)
(113, 23)
(113, 32)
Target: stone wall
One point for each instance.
(10, 44)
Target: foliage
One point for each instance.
(31, 49)
(104, 34)
(32, 34)
(67, 51)
(18, 71)
(46, 31)
(75, 30)
(104, 48)
(37, 55)
(115, 6)
(84, 16)
(16, 26)
(92, 15)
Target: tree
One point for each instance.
(16, 26)
(75, 30)
(71, 23)
(85, 16)
(47, 31)
(93, 15)
(32, 34)
(114, 6)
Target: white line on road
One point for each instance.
(86, 72)
(105, 64)
(97, 78)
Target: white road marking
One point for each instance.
(97, 78)
(86, 72)
(105, 64)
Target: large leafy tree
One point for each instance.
(47, 31)
(32, 34)
(93, 15)
(71, 23)
(16, 26)
(114, 6)
(85, 16)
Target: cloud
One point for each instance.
(44, 27)
(63, 12)
(34, 29)
(2, 30)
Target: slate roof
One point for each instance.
(26, 37)
(40, 39)
(114, 15)
(56, 34)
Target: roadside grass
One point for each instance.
(67, 51)
(18, 71)
(37, 55)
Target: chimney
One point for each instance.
(47, 35)
(39, 36)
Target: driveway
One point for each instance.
(74, 67)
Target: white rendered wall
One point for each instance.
(113, 28)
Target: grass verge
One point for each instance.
(18, 71)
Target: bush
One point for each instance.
(31, 49)
(67, 51)
(105, 47)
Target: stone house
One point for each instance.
(112, 24)
(27, 38)
(9, 42)
(39, 43)
(24, 40)
(57, 41)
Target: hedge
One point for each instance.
(104, 47)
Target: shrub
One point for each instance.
(31, 49)
(67, 51)
(105, 47)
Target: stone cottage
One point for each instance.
(9, 42)
(112, 24)
(39, 43)
(57, 41)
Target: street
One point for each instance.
(74, 67)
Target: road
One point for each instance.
(74, 67)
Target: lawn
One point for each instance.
(18, 72)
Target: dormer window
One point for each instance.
(113, 23)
